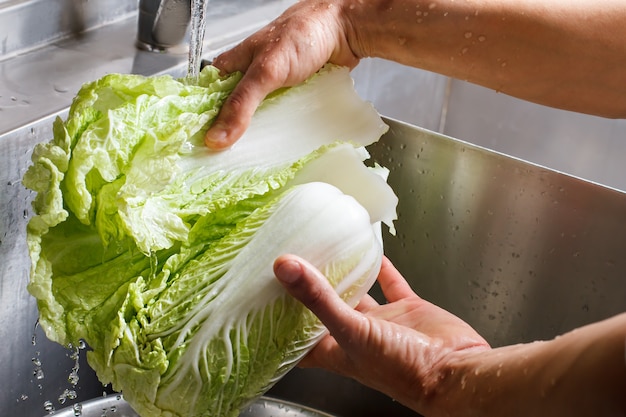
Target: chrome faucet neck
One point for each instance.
(162, 24)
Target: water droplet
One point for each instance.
(62, 398)
(78, 409)
(49, 407)
(482, 38)
(60, 89)
(468, 35)
(73, 378)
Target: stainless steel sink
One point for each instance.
(520, 251)
(115, 406)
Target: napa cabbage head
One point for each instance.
(158, 252)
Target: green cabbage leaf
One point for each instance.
(158, 252)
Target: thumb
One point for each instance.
(235, 115)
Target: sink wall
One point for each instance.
(585, 146)
(26, 25)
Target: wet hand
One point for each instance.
(284, 53)
(396, 348)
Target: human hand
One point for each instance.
(284, 53)
(433, 362)
(396, 348)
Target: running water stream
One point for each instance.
(196, 38)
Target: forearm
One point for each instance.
(564, 54)
(581, 373)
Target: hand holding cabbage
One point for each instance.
(158, 253)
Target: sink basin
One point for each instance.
(115, 406)
(520, 251)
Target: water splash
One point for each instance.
(33, 339)
(38, 370)
(69, 393)
(73, 377)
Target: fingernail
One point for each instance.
(288, 271)
(215, 137)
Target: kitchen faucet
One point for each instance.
(162, 24)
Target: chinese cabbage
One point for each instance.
(158, 252)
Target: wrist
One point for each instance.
(400, 31)
(355, 20)
(580, 373)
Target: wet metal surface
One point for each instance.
(115, 406)
(521, 251)
(36, 84)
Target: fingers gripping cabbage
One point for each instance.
(158, 253)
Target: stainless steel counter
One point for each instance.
(36, 83)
